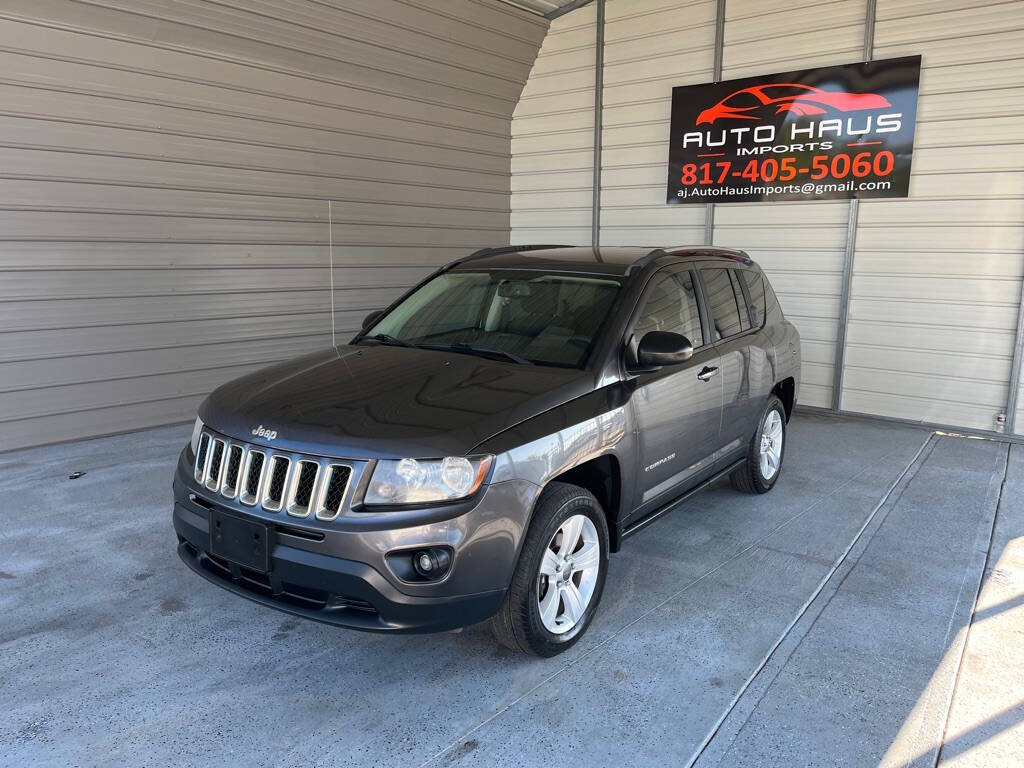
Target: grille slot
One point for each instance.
(274, 495)
(304, 485)
(334, 495)
(232, 472)
(253, 474)
(202, 453)
(216, 465)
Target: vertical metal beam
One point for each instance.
(330, 252)
(595, 215)
(1015, 366)
(839, 365)
(716, 75)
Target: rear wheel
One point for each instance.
(559, 578)
(767, 448)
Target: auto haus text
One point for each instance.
(801, 138)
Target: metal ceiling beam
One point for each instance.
(716, 75)
(595, 213)
(839, 364)
(564, 9)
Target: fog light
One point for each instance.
(431, 564)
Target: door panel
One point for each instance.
(741, 358)
(678, 416)
(677, 413)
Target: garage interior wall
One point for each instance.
(936, 285)
(166, 169)
(553, 137)
(937, 277)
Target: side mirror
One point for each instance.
(371, 318)
(658, 348)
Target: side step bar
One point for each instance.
(639, 525)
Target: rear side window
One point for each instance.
(755, 287)
(670, 304)
(725, 298)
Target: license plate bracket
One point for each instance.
(243, 542)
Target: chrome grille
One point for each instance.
(232, 472)
(202, 454)
(334, 493)
(216, 466)
(300, 485)
(253, 473)
(305, 484)
(274, 495)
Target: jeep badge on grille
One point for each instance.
(267, 434)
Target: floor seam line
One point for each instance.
(716, 728)
(974, 608)
(676, 594)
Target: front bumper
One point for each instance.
(337, 573)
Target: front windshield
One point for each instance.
(536, 317)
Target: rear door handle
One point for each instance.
(707, 372)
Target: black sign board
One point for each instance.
(816, 134)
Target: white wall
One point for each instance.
(165, 171)
(936, 277)
(553, 137)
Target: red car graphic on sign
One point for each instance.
(761, 101)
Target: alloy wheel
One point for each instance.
(771, 444)
(568, 574)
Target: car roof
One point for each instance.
(615, 260)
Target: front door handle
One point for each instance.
(707, 372)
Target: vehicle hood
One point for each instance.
(387, 401)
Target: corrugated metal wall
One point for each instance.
(650, 46)
(936, 278)
(553, 137)
(165, 171)
(800, 245)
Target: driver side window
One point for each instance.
(670, 304)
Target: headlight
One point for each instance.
(417, 481)
(196, 431)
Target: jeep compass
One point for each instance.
(479, 448)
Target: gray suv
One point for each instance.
(482, 445)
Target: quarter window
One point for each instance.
(670, 304)
(725, 298)
(755, 287)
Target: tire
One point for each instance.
(752, 477)
(526, 621)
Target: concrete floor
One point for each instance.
(826, 623)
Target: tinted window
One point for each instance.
(670, 304)
(755, 287)
(725, 299)
(550, 319)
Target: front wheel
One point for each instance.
(560, 575)
(764, 456)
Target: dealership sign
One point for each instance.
(816, 134)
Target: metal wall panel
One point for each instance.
(553, 137)
(650, 47)
(165, 171)
(800, 245)
(937, 277)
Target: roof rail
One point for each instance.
(646, 259)
(714, 250)
(482, 252)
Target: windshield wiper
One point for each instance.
(479, 349)
(387, 338)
